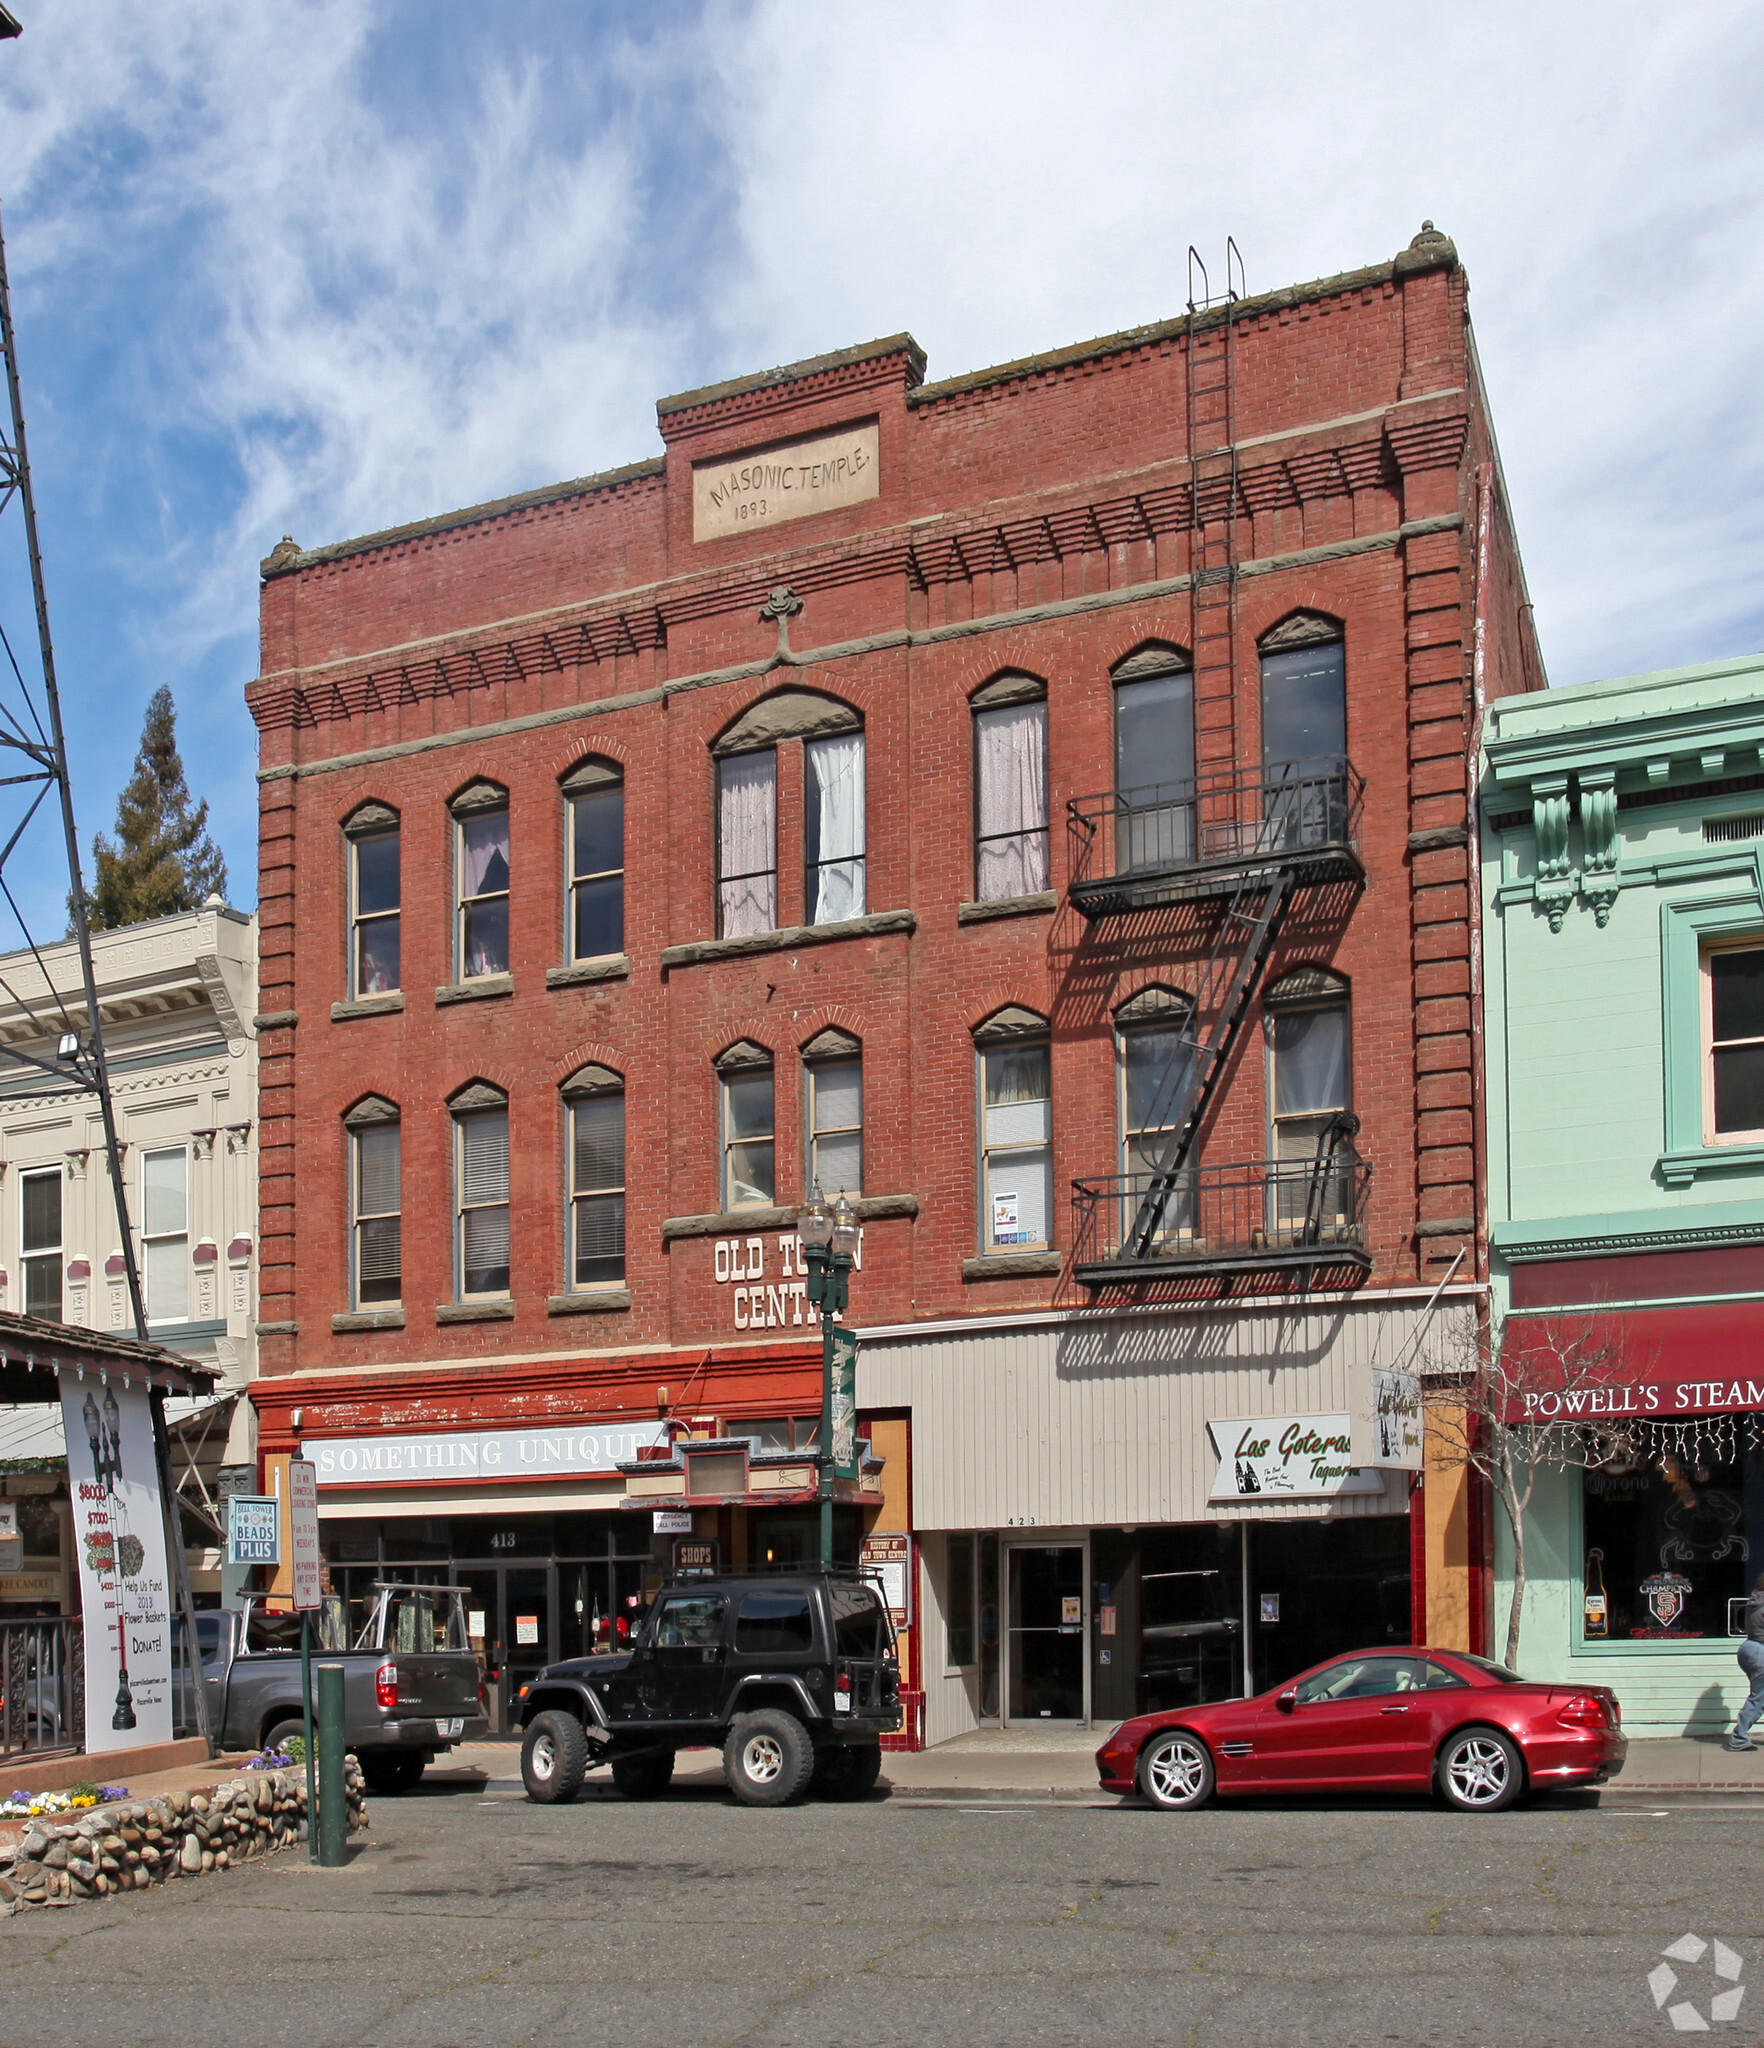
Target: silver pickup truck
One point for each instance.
(411, 1682)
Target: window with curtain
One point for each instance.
(1016, 1133)
(1154, 760)
(1156, 1059)
(165, 1234)
(1010, 790)
(836, 1123)
(374, 901)
(597, 1186)
(377, 1201)
(39, 1242)
(481, 1183)
(749, 1129)
(481, 867)
(833, 827)
(595, 795)
(1310, 1080)
(747, 844)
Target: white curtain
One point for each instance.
(747, 833)
(484, 847)
(1011, 748)
(836, 789)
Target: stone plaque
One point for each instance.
(767, 486)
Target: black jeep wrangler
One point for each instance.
(792, 1675)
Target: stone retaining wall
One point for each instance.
(139, 1843)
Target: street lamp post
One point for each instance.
(829, 1245)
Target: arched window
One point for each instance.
(1154, 757)
(1010, 788)
(594, 804)
(750, 1126)
(1304, 695)
(1155, 1054)
(370, 834)
(480, 1190)
(594, 1100)
(1016, 1131)
(376, 1203)
(834, 823)
(833, 1079)
(480, 868)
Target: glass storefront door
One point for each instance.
(1047, 1629)
(508, 1617)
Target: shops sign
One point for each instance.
(1288, 1457)
(477, 1454)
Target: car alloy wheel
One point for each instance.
(762, 1758)
(1480, 1771)
(1176, 1772)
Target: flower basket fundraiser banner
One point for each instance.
(119, 1532)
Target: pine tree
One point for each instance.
(163, 860)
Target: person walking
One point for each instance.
(1751, 1662)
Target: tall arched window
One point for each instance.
(594, 1101)
(480, 869)
(1310, 1079)
(480, 1191)
(749, 1108)
(1010, 788)
(748, 755)
(1304, 694)
(370, 833)
(376, 1203)
(1156, 1058)
(1154, 757)
(594, 803)
(1016, 1131)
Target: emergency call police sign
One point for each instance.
(1288, 1457)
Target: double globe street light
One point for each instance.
(829, 1247)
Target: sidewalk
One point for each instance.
(1061, 1764)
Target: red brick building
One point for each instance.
(1036, 800)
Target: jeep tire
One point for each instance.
(768, 1758)
(846, 1770)
(643, 1776)
(554, 1758)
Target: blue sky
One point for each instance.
(325, 265)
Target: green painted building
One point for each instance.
(1622, 842)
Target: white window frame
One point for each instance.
(462, 903)
(579, 1195)
(815, 1131)
(150, 1239)
(988, 1153)
(359, 919)
(726, 1182)
(358, 1216)
(575, 881)
(1706, 1036)
(43, 1252)
(462, 1208)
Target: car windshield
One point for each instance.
(1493, 1669)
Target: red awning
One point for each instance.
(1704, 1359)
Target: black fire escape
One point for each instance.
(1246, 843)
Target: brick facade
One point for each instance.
(1045, 517)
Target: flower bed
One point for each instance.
(138, 1844)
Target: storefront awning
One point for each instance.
(1706, 1358)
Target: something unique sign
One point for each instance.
(477, 1454)
(1288, 1457)
(766, 486)
(125, 1589)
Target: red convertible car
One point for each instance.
(1379, 1720)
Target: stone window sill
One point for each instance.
(286, 1328)
(478, 991)
(474, 1312)
(607, 1301)
(1012, 1266)
(750, 1222)
(789, 938)
(1007, 906)
(368, 1006)
(368, 1319)
(615, 967)
(275, 1020)
(1701, 1162)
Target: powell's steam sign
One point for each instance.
(766, 486)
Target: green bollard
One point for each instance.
(333, 1813)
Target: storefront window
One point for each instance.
(1665, 1545)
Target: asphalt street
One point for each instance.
(471, 1919)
